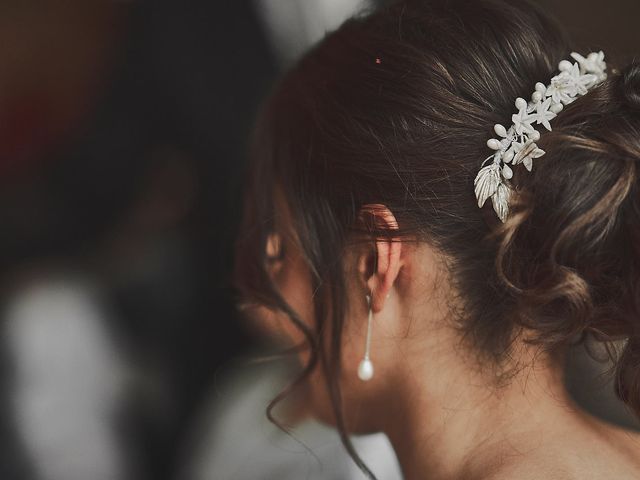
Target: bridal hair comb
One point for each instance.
(517, 144)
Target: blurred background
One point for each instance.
(123, 127)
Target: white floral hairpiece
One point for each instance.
(517, 144)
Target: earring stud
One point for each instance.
(365, 369)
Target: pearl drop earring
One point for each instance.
(365, 369)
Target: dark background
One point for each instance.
(123, 127)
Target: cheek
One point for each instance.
(276, 326)
(292, 280)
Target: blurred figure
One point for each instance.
(69, 382)
(117, 205)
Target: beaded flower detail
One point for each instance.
(517, 144)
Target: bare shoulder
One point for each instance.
(531, 470)
(627, 441)
(613, 452)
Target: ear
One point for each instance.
(380, 263)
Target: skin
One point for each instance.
(447, 414)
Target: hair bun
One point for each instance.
(631, 85)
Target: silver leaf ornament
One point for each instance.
(500, 200)
(516, 144)
(526, 153)
(486, 182)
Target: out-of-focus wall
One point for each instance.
(294, 25)
(611, 24)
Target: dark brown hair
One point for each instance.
(395, 107)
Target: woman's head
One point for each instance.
(363, 163)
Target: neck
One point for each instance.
(453, 426)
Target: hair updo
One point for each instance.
(571, 256)
(395, 107)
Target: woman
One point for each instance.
(413, 311)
